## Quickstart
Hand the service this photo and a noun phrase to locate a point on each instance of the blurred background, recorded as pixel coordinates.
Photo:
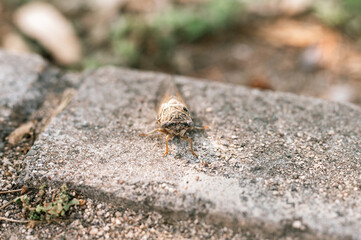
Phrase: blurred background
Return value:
(307, 47)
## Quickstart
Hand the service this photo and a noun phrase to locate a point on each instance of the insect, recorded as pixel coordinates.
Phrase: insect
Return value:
(174, 117)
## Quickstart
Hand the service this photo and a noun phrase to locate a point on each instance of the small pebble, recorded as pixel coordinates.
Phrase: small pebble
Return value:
(93, 231)
(297, 224)
(31, 152)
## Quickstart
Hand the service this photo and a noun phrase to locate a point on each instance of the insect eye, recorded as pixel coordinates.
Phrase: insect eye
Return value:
(166, 124)
(188, 124)
(185, 109)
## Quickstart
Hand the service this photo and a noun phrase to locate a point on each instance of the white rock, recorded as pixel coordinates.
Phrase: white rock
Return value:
(93, 231)
(44, 23)
(297, 224)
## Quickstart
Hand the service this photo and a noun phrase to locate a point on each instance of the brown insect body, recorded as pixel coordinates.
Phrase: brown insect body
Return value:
(173, 116)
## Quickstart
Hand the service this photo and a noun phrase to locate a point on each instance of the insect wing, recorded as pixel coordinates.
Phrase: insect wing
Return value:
(168, 90)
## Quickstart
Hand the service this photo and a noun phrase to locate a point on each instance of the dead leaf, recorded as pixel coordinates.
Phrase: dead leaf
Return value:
(323, 46)
(16, 136)
(65, 100)
(24, 189)
(82, 202)
(260, 82)
(14, 42)
(297, 34)
(213, 73)
(47, 25)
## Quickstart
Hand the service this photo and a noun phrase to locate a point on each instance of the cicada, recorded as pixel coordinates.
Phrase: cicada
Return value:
(173, 116)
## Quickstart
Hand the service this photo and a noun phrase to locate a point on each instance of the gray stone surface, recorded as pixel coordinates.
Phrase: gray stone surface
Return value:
(18, 73)
(26, 82)
(278, 164)
(19, 93)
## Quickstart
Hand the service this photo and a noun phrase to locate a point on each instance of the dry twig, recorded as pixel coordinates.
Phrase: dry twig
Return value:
(11, 191)
(13, 220)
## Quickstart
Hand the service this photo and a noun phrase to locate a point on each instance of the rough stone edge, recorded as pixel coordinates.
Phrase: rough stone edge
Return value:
(263, 229)
(89, 72)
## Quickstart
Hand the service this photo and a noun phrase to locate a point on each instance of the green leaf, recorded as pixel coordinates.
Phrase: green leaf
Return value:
(39, 209)
(74, 201)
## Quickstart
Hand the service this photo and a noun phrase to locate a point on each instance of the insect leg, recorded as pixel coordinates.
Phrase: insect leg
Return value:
(153, 131)
(167, 138)
(191, 143)
(202, 128)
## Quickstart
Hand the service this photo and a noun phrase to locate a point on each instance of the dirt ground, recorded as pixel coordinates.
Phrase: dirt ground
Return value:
(307, 58)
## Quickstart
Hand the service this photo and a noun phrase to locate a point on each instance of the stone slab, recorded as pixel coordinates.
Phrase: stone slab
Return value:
(19, 93)
(279, 165)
